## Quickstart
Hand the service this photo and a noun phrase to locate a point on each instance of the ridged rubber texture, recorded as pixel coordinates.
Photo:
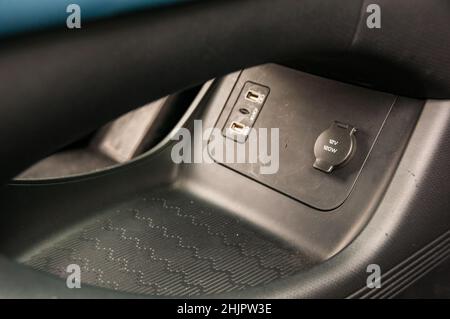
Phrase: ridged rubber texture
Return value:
(410, 270)
(170, 246)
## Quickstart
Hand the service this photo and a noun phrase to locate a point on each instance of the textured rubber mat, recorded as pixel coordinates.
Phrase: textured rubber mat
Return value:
(171, 246)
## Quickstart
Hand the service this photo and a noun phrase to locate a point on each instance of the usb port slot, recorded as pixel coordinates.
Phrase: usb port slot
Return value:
(239, 128)
(255, 96)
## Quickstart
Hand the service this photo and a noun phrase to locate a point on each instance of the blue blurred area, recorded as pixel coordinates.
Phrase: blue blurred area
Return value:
(17, 16)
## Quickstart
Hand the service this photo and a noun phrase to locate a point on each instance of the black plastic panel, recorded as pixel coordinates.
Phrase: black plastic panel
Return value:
(167, 243)
(55, 210)
(302, 106)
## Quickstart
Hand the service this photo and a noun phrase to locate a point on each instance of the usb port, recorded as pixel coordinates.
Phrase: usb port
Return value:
(255, 97)
(239, 128)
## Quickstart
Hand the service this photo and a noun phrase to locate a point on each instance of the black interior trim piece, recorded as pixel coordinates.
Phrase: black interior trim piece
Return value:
(410, 270)
(112, 66)
(107, 67)
(408, 219)
(166, 243)
(294, 224)
(312, 104)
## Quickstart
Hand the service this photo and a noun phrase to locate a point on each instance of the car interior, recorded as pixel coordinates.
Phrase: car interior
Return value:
(353, 97)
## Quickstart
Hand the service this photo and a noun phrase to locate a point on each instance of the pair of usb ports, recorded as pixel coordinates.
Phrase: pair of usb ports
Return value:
(245, 111)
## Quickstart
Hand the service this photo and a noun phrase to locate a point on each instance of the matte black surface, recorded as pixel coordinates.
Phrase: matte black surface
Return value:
(432, 286)
(335, 147)
(105, 70)
(410, 227)
(302, 106)
(404, 56)
(66, 163)
(267, 212)
(413, 268)
(56, 86)
(167, 243)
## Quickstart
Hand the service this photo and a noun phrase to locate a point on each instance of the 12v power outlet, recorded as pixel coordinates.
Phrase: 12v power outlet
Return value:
(334, 147)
